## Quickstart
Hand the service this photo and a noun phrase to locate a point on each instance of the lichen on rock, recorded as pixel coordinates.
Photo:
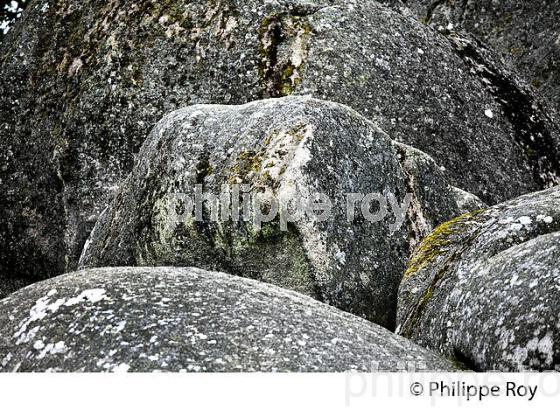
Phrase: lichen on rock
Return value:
(84, 82)
(293, 149)
(483, 289)
(196, 321)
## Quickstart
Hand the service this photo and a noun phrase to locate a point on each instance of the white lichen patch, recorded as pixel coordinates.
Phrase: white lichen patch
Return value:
(38, 312)
(298, 53)
(340, 256)
(43, 308)
(547, 219)
(120, 327)
(545, 346)
(121, 368)
(75, 67)
(39, 345)
(90, 295)
(6, 359)
(525, 220)
(53, 348)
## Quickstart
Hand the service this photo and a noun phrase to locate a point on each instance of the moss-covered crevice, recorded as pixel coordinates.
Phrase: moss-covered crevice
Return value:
(437, 242)
(458, 232)
(284, 40)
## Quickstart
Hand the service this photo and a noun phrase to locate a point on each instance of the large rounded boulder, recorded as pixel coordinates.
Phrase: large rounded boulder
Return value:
(485, 287)
(83, 82)
(172, 319)
(524, 33)
(317, 199)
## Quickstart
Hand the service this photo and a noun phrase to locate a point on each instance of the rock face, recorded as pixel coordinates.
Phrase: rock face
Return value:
(283, 150)
(172, 319)
(10, 11)
(525, 33)
(83, 82)
(485, 288)
(433, 199)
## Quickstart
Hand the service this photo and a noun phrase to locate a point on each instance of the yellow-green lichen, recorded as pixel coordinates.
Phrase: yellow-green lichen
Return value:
(536, 83)
(283, 41)
(267, 254)
(298, 131)
(256, 163)
(517, 51)
(285, 86)
(437, 243)
(426, 20)
(246, 163)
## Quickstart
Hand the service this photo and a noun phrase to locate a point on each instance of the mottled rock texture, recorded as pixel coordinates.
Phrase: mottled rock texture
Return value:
(10, 11)
(173, 319)
(485, 287)
(290, 148)
(433, 198)
(83, 82)
(525, 33)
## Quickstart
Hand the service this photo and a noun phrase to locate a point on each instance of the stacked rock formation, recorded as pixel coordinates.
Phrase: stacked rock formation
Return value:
(113, 114)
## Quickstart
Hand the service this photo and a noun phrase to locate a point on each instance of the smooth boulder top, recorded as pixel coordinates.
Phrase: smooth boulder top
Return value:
(291, 148)
(83, 82)
(173, 319)
(485, 287)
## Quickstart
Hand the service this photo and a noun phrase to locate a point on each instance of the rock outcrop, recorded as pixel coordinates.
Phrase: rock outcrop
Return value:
(433, 199)
(172, 319)
(293, 154)
(83, 82)
(524, 32)
(485, 287)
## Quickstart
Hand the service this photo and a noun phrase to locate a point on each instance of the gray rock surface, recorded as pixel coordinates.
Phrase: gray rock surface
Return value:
(434, 200)
(525, 33)
(83, 82)
(289, 148)
(173, 319)
(485, 287)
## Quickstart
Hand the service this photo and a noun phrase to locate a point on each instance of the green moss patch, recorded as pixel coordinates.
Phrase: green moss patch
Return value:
(437, 243)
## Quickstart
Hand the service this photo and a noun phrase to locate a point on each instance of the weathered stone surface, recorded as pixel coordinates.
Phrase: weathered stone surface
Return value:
(290, 148)
(485, 288)
(434, 200)
(526, 33)
(10, 11)
(173, 319)
(450, 99)
(83, 82)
